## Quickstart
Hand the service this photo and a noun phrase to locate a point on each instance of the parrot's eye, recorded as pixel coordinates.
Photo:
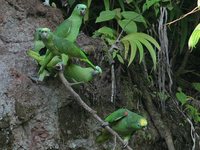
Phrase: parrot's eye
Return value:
(82, 8)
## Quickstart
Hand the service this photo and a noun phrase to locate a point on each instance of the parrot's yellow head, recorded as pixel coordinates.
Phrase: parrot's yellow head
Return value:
(44, 33)
(80, 9)
(143, 122)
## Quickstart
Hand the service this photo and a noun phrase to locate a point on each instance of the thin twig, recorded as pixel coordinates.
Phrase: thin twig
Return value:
(113, 88)
(87, 108)
(192, 131)
(115, 143)
(189, 13)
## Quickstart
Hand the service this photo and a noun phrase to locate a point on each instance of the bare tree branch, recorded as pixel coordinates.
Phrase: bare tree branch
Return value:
(113, 90)
(88, 109)
(189, 13)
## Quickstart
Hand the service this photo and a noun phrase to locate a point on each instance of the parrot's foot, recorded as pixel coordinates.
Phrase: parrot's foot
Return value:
(98, 69)
(125, 144)
(35, 79)
(105, 124)
(59, 67)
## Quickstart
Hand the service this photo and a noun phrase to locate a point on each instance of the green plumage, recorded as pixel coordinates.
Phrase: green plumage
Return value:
(124, 122)
(68, 29)
(58, 46)
(72, 71)
(79, 74)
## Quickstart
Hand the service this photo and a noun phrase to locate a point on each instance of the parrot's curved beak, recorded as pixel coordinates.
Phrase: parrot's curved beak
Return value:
(83, 12)
(44, 35)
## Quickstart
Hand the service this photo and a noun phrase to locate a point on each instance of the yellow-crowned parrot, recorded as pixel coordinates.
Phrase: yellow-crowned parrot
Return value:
(124, 122)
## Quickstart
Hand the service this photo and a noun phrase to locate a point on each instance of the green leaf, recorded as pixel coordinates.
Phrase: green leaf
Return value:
(107, 31)
(105, 16)
(196, 86)
(133, 52)
(194, 38)
(126, 48)
(150, 49)
(118, 15)
(106, 4)
(149, 38)
(119, 57)
(193, 112)
(128, 25)
(141, 50)
(114, 54)
(121, 3)
(138, 40)
(110, 41)
(181, 97)
(133, 16)
(148, 4)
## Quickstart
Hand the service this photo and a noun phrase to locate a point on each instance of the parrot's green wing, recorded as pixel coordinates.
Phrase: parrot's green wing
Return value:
(78, 73)
(64, 29)
(113, 119)
(124, 122)
(117, 115)
(72, 50)
(69, 29)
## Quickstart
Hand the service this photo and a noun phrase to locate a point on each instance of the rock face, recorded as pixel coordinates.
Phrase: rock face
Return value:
(33, 116)
(44, 116)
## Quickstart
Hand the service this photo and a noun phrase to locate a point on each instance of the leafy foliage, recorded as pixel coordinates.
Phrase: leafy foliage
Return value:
(194, 38)
(133, 40)
(191, 110)
(136, 41)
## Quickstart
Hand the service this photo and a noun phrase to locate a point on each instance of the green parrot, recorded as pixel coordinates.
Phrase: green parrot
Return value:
(124, 122)
(80, 74)
(50, 66)
(72, 71)
(68, 29)
(61, 47)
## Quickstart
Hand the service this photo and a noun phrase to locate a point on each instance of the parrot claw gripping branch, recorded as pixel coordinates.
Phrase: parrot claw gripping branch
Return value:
(61, 48)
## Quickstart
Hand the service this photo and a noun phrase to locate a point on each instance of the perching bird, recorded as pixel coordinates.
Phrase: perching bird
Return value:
(80, 74)
(49, 70)
(124, 122)
(59, 47)
(68, 29)
(73, 72)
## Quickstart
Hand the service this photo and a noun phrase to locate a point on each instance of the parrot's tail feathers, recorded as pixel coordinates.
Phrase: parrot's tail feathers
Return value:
(89, 62)
(44, 74)
(34, 55)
